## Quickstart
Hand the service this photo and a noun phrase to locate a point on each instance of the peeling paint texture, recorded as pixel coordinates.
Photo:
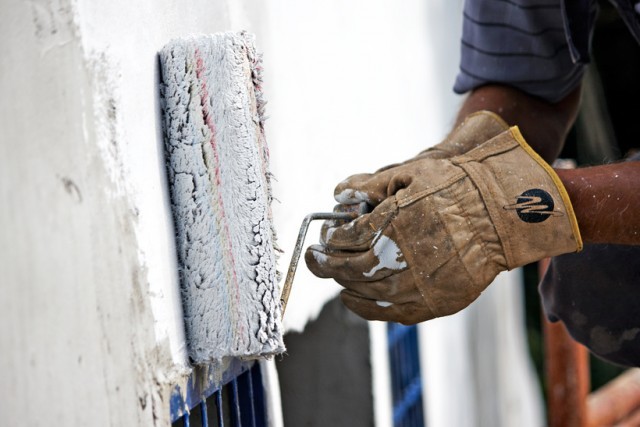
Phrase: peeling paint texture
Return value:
(217, 162)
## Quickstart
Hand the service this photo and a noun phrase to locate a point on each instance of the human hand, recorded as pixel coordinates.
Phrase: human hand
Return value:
(445, 229)
(373, 188)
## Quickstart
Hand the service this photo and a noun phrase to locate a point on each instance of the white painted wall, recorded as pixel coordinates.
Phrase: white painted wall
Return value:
(92, 329)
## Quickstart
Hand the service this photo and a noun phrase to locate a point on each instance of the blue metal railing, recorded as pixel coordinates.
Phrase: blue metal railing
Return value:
(406, 382)
(236, 401)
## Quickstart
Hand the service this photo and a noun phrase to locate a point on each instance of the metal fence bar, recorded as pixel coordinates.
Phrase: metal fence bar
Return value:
(239, 400)
(412, 396)
(203, 413)
(219, 408)
(235, 404)
(248, 405)
(395, 333)
(258, 395)
(406, 381)
(252, 400)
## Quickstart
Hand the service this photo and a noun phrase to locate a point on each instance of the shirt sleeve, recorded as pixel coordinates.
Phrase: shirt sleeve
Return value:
(520, 43)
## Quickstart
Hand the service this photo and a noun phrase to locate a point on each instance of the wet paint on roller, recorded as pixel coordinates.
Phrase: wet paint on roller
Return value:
(217, 163)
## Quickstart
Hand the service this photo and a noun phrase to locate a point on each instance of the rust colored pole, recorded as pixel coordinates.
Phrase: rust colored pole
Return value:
(567, 374)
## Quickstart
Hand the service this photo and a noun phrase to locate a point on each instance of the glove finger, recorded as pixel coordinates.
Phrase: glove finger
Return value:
(361, 233)
(329, 226)
(382, 260)
(407, 314)
(364, 187)
(397, 288)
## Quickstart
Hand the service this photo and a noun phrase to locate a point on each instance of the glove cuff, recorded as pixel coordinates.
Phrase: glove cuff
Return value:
(476, 129)
(528, 204)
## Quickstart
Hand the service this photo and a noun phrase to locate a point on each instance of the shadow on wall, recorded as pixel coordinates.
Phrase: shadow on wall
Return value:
(325, 378)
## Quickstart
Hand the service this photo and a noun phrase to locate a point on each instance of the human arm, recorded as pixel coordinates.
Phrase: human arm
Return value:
(606, 201)
(605, 198)
(543, 124)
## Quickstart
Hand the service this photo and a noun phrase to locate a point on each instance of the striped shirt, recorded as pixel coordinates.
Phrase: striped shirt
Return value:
(523, 44)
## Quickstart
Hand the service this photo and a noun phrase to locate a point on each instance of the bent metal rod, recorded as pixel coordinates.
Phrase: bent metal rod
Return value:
(350, 213)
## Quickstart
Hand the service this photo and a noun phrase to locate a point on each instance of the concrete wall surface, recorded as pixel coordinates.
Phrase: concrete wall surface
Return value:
(92, 330)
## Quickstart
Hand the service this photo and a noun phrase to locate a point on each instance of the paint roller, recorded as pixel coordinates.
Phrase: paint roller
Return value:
(217, 163)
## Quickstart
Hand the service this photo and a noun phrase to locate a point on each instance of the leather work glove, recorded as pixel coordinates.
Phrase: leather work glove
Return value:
(445, 229)
(372, 187)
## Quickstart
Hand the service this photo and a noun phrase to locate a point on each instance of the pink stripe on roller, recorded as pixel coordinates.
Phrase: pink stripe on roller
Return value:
(208, 119)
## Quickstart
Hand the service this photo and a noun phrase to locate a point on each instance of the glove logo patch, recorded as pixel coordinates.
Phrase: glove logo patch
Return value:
(534, 205)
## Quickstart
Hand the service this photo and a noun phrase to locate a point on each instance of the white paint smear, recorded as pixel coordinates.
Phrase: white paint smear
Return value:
(319, 256)
(350, 196)
(388, 254)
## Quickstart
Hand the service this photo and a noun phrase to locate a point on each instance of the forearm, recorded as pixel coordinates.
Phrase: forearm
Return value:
(606, 201)
(605, 198)
(544, 125)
